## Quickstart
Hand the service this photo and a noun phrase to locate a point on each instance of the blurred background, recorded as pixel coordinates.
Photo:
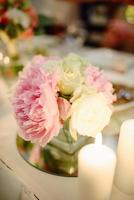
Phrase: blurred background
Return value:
(78, 23)
(56, 27)
(98, 23)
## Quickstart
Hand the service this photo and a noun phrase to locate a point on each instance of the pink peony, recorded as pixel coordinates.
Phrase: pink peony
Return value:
(35, 103)
(95, 78)
(64, 107)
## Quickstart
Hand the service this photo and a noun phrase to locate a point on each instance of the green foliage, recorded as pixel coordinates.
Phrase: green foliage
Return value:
(12, 30)
(17, 68)
(44, 22)
(25, 4)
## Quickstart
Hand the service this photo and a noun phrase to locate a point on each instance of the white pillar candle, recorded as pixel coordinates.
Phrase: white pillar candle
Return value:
(96, 170)
(124, 174)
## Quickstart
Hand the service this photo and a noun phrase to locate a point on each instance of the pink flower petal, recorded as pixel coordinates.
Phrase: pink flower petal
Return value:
(35, 103)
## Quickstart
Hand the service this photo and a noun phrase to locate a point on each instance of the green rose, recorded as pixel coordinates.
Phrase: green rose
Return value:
(71, 73)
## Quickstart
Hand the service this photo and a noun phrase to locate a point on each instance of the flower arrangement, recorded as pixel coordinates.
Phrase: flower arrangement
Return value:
(51, 91)
(17, 18)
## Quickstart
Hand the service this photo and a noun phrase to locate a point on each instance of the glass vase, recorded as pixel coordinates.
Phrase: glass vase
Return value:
(58, 157)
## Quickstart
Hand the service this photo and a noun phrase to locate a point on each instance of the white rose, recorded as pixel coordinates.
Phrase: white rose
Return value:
(89, 115)
(19, 17)
(71, 73)
(82, 89)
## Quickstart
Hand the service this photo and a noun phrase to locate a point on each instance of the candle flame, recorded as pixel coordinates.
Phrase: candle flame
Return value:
(98, 139)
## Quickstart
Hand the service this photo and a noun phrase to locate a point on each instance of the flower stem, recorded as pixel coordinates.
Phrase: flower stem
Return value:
(68, 137)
